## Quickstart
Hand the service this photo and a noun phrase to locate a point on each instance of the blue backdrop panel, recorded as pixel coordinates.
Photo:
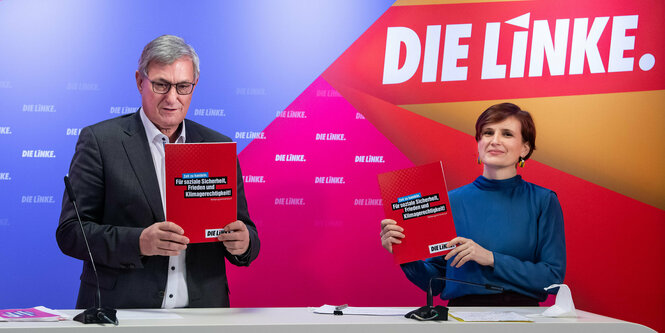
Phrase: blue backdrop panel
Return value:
(68, 64)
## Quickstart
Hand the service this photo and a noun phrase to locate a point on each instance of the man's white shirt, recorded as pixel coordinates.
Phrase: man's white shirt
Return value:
(175, 295)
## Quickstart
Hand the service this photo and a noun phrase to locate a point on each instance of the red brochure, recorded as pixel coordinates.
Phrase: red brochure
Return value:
(201, 188)
(417, 198)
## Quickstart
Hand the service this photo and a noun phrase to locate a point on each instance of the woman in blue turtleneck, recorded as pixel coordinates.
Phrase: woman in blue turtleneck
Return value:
(510, 232)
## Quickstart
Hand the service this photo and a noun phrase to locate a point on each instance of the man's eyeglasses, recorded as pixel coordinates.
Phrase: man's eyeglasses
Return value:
(182, 88)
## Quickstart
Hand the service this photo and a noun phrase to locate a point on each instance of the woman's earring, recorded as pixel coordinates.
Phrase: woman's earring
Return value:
(521, 162)
(478, 160)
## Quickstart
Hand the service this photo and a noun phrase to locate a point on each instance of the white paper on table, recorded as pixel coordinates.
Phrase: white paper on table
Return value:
(365, 311)
(489, 316)
(141, 314)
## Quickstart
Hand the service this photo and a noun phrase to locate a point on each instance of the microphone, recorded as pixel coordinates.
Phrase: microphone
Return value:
(94, 315)
(439, 312)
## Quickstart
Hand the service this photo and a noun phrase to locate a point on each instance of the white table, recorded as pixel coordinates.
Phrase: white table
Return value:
(277, 320)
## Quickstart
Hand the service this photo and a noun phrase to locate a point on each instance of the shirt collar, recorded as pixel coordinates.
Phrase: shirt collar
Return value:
(497, 184)
(153, 133)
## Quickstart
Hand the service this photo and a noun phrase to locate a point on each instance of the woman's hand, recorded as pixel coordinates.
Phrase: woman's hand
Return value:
(468, 250)
(391, 234)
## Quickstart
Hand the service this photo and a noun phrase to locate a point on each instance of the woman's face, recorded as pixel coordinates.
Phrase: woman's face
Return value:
(501, 145)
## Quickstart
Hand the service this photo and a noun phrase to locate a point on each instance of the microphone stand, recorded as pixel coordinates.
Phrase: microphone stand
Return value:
(94, 315)
(440, 312)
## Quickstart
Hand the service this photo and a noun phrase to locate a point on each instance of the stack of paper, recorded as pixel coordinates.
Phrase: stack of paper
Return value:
(365, 311)
(38, 313)
(489, 316)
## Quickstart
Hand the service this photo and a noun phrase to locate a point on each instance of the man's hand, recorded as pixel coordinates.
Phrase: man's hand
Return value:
(236, 240)
(163, 239)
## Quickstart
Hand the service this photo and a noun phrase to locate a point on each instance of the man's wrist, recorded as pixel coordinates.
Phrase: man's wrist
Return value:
(243, 258)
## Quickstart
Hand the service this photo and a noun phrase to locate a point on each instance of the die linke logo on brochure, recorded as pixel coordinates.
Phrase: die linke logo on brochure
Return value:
(430, 53)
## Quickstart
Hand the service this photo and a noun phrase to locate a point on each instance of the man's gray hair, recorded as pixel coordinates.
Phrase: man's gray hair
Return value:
(165, 50)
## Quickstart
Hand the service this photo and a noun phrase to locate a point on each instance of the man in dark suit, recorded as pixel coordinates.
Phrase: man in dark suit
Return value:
(117, 174)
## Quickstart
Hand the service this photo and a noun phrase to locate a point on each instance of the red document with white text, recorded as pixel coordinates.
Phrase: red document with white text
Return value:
(201, 188)
(417, 198)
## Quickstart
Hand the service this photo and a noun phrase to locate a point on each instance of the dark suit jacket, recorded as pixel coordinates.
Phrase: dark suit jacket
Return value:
(117, 195)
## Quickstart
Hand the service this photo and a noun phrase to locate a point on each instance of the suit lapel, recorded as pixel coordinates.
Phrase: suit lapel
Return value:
(138, 153)
(191, 134)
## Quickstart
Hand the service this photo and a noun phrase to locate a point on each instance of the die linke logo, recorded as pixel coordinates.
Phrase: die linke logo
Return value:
(213, 233)
(327, 93)
(38, 153)
(123, 109)
(289, 201)
(555, 48)
(73, 131)
(330, 137)
(82, 86)
(210, 112)
(251, 135)
(254, 179)
(290, 158)
(38, 108)
(5, 130)
(369, 159)
(291, 114)
(367, 202)
(329, 180)
(36, 199)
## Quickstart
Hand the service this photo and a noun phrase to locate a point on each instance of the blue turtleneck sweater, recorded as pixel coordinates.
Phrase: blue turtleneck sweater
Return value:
(521, 223)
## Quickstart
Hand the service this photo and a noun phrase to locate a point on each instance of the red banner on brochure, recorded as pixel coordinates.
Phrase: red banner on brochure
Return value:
(417, 198)
(201, 188)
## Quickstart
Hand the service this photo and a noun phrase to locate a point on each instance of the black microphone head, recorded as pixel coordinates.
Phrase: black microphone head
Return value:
(70, 190)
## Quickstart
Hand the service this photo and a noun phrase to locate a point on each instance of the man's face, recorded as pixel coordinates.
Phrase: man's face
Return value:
(168, 110)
